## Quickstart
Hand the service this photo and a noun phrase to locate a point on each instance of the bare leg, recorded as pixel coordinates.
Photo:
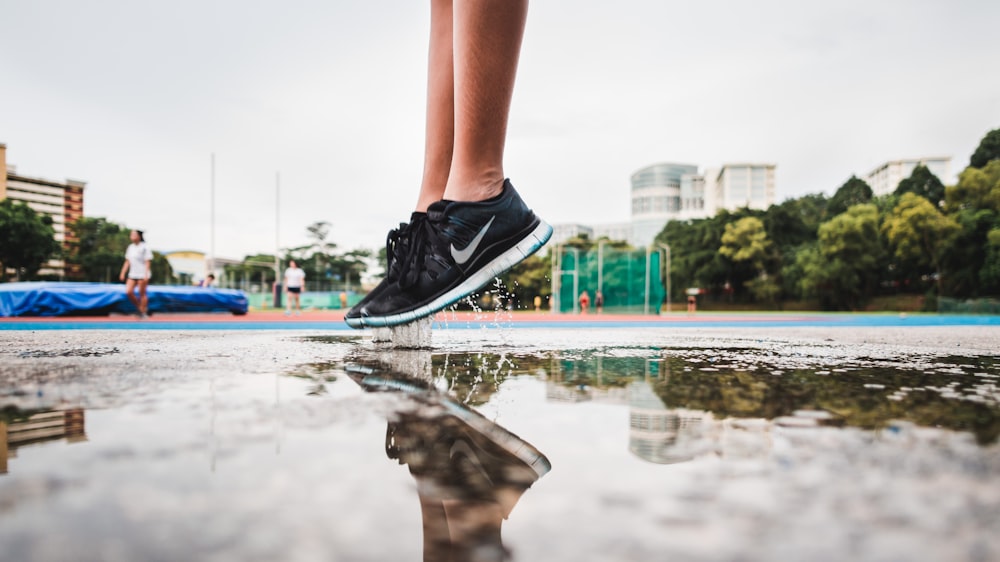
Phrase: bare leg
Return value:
(143, 299)
(487, 43)
(439, 140)
(130, 293)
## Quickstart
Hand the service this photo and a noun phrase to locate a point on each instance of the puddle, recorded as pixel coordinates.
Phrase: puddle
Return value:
(570, 445)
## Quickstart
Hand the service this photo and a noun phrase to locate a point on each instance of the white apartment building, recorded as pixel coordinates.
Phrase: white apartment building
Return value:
(667, 191)
(62, 201)
(885, 179)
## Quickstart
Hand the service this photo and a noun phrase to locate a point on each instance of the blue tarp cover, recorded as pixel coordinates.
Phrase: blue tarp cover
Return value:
(87, 299)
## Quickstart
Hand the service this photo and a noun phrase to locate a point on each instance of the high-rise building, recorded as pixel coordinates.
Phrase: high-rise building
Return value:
(666, 192)
(885, 179)
(63, 201)
(656, 198)
(744, 185)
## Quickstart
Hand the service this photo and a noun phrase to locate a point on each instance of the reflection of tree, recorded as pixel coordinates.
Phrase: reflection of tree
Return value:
(754, 392)
(732, 393)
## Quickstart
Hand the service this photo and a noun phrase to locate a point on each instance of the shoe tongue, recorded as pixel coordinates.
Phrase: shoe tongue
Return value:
(437, 209)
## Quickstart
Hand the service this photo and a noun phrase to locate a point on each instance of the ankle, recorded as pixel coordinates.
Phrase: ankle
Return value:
(475, 189)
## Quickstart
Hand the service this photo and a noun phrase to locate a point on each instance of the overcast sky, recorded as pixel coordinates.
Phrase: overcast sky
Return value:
(134, 97)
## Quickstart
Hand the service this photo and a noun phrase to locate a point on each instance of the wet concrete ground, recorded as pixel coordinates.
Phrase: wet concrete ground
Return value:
(529, 444)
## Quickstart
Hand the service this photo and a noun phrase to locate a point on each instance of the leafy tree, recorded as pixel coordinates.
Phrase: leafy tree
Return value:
(842, 269)
(854, 192)
(976, 189)
(695, 259)
(349, 266)
(989, 274)
(99, 249)
(987, 151)
(27, 240)
(746, 241)
(163, 272)
(795, 221)
(529, 279)
(919, 231)
(923, 183)
(967, 254)
(257, 268)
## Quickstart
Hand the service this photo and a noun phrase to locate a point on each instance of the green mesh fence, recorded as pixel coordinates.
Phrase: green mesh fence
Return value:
(631, 281)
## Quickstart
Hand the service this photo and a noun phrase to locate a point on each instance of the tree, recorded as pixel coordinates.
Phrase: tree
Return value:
(349, 266)
(842, 269)
(162, 272)
(976, 189)
(99, 249)
(923, 183)
(989, 274)
(919, 231)
(27, 240)
(987, 151)
(974, 203)
(746, 241)
(854, 192)
(258, 268)
(529, 279)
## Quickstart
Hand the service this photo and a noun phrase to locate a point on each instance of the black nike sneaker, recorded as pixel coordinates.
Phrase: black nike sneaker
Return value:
(461, 247)
(397, 247)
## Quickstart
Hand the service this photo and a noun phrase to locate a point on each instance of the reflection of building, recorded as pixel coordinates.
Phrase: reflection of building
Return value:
(42, 426)
(885, 179)
(665, 436)
(62, 201)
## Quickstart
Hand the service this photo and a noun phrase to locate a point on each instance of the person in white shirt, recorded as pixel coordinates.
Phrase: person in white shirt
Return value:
(295, 280)
(138, 260)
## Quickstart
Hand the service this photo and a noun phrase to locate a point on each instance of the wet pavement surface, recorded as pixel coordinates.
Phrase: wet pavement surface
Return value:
(522, 444)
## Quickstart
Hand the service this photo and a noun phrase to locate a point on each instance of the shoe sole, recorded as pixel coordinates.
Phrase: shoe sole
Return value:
(500, 265)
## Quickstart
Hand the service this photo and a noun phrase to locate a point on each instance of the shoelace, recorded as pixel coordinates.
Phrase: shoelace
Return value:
(409, 247)
(398, 243)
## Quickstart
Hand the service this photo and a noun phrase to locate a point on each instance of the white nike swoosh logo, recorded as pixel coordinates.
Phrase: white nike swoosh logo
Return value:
(462, 256)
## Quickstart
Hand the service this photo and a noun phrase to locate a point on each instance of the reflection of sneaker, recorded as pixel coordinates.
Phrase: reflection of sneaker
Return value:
(466, 455)
(461, 247)
(397, 247)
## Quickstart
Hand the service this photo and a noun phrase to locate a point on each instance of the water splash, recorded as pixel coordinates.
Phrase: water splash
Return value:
(413, 335)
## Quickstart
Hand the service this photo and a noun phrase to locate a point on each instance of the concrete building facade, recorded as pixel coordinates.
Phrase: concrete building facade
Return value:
(884, 179)
(62, 201)
(667, 191)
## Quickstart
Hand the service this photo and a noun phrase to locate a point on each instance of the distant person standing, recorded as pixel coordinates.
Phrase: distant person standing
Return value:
(599, 301)
(295, 280)
(137, 266)
(584, 302)
(208, 282)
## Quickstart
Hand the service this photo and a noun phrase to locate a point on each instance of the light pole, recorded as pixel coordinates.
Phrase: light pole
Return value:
(645, 307)
(600, 266)
(666, 247)
(556, 278)
(211, 211)
(576, 279)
